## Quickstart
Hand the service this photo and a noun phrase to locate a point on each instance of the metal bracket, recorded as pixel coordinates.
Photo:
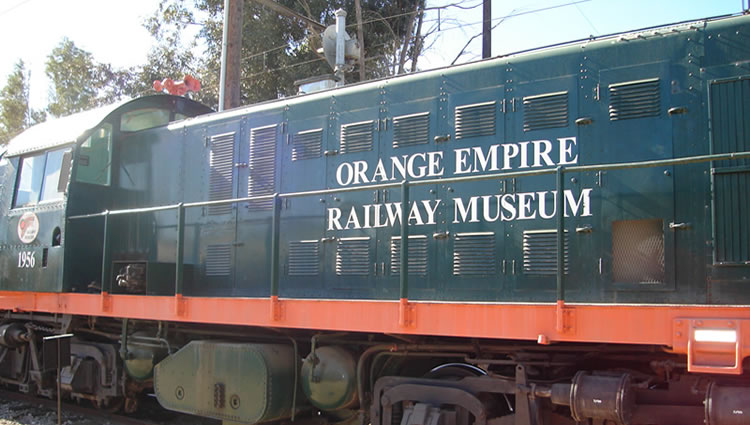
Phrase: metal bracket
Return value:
(712, 345)
(441, 235)
(527, 410)
(677, 110)
(586, 228)
(679, 226)
(584, 121)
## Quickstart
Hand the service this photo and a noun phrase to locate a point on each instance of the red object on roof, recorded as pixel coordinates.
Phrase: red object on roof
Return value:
(179, 88)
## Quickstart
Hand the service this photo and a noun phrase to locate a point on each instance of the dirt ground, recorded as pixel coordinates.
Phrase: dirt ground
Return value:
(14, 412)
(19, 413)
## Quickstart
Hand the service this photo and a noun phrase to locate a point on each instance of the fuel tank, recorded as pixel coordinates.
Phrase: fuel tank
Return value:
(239, 382)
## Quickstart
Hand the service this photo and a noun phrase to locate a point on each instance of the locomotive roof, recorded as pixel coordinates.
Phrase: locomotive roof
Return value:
(66, 130)
(59, 131)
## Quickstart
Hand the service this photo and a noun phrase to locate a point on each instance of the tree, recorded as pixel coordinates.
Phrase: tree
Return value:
(277, 50)
(15, 114)
(171, 57)
(79, 82)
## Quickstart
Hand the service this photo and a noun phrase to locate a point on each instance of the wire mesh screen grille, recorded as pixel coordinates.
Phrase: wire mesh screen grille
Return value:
(638, 251)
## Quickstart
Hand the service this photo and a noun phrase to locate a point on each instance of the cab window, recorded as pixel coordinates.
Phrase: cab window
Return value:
(142, 119)
(95, 157)
(43, 177)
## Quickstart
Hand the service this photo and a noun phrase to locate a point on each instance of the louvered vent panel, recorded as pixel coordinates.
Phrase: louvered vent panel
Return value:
(638, 251)
(221, 165)
(545, 111)
(732, 206)
(474, 254)
(411, 130)
(540, 252)
(417, 255)
(731, 133)
(475, 120)
(634, 99)
(218, 260)
(304, 258)
(356, 137)
(353, 257)
(262, 164)
(307, 144)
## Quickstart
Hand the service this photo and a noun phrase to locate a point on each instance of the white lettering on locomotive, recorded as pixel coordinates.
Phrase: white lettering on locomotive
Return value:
(469, 160)
(519, 206)
(487, 208)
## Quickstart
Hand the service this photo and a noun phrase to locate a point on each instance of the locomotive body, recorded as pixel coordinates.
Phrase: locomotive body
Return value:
(576, 224)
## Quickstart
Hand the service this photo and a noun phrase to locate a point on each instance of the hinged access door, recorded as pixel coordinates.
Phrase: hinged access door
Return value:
(350, 230)
(730, 132)
(260, 151)
(217, 229)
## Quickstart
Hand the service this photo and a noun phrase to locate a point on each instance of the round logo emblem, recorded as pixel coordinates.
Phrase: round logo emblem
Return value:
(28, 227)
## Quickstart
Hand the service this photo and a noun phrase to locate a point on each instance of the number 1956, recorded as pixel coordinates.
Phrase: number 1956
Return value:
(26, 259)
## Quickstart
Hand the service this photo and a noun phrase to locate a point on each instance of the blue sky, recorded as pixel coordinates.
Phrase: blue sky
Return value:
(113, 32)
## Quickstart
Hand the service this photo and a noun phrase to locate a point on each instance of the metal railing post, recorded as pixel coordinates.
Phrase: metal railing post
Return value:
(275, 245)
(180, 260)
(404, 269)
(106, 256)
(560, 207)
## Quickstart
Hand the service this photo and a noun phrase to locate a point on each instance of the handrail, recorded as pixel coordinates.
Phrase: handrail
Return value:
(404, 186)
(462, 179)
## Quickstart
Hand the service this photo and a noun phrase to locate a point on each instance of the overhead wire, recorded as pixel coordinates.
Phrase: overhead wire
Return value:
(385, 19)
(449, 28)
(12, 8)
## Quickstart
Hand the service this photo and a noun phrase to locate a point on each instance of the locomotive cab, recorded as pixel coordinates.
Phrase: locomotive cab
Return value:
(61, 169)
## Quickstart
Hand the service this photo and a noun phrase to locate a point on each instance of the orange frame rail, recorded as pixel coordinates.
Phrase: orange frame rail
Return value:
(671, 326)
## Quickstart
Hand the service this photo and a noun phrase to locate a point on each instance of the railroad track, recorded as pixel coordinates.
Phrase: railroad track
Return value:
(149, 414)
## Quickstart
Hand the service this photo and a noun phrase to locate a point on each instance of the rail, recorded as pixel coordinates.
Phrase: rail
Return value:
(404, 186)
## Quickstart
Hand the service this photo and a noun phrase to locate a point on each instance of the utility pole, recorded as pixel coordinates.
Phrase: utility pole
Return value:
(486, 29)
(231, 48)
(361, 39)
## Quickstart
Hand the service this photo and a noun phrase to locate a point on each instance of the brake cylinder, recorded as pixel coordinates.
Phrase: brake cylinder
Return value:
(597, 397)
(727, 405)
(13, 335)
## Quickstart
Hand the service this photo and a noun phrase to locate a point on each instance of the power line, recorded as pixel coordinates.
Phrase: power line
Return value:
(450, 28)
(12, 8)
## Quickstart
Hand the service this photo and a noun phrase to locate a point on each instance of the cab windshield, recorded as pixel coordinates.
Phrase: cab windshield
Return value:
(43, 177)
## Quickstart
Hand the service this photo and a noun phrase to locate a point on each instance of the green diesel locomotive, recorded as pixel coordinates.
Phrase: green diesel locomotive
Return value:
(557, 236)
